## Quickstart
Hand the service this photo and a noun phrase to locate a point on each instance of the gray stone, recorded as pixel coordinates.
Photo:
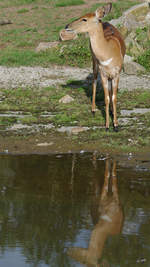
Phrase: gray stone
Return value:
(131, 67)
(130, 23)
(72, 129)
(46, 45)
(38, 77)
(126, 113)
(133, 17)
(147, 19)
(45, 144)
(137, 10)
(66, 99)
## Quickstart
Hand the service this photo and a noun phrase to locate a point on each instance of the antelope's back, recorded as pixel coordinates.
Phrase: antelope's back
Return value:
(115, 34)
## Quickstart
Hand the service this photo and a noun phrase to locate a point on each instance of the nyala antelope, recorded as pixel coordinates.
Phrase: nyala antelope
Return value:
(107, 216)
(108, 50)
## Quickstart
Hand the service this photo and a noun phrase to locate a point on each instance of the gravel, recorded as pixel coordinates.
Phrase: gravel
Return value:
(11, 78)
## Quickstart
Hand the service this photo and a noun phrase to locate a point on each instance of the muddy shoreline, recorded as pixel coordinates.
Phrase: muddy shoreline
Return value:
(44, 145)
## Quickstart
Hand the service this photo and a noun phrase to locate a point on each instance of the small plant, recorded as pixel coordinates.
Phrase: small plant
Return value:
(23, 10)
(28, 1)
(77, 53)
(144, 59)
(63, 3)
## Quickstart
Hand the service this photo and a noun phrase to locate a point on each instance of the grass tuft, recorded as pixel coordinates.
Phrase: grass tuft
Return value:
(144, 59)
(23, 10)
(63, 3)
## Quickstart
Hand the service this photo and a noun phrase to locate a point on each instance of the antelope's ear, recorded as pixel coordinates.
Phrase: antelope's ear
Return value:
(103, 11)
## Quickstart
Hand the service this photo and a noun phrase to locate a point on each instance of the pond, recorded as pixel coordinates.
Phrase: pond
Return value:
(74, 209)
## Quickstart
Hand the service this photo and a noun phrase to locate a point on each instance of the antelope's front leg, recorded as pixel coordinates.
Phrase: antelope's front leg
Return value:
(106, 180)
(107, 99)
(94, 95)
(115, 82)
(94, 84)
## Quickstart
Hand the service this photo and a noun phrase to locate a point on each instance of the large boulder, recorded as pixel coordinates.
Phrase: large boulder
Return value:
(131, 67)
(134, 17)
(134, 26)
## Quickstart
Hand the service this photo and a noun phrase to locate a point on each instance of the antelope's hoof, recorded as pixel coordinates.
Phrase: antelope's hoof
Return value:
(116, 129)
(107, 129)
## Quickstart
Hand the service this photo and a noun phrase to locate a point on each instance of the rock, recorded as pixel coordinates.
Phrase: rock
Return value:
(129, 40)
(62, 49)
(130, 23)
(5, 22)
(66, 99)
(72, 129)
(147, 19)
(128, 59)
(46, 45)
(127, 113)
(124, 31)
(77, 130)
(133, 45)
(133, 17)
(131, 67)
(118, 21)
(45, 144)
(137, 10)
(136, 49)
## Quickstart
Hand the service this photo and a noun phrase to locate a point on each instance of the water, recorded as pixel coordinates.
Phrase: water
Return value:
(54, 209)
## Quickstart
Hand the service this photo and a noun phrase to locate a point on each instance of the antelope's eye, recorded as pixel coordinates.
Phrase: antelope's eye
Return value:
(84, 20)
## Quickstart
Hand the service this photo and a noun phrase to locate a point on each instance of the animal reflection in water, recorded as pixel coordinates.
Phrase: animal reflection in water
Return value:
(109, 220)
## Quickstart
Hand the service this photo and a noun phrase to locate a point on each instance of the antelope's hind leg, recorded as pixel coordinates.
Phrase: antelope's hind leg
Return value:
(107, 98)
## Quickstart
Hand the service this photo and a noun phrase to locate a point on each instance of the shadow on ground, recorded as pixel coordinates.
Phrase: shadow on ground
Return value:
(87, 86)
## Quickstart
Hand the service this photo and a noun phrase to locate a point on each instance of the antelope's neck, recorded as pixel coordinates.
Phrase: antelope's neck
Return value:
(98, 42)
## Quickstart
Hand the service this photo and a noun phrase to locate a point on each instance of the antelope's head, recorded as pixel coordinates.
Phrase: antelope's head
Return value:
(88, 21)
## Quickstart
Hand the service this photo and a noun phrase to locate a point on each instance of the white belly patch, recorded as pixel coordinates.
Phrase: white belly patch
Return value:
(106, 62)
(106, 218)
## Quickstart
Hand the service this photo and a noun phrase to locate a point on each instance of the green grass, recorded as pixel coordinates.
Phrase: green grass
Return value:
(23, 10)
(144, 59)
(136, 99)
(37, 102)
(76, 53)
(117, 8)
(63, 3)
(22, 57)
(41, 21)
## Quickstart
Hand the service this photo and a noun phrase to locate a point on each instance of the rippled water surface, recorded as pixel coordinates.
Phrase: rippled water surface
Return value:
(66, 210)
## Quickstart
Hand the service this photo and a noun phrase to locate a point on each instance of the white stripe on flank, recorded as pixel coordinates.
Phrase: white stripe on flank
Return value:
(106, 62)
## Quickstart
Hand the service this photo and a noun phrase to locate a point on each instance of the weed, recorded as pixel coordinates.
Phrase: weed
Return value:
(29, 120)
(144, 59)
(63, 3)
(77, 53)
(5, 121)
(23, 10)
(136, 98)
